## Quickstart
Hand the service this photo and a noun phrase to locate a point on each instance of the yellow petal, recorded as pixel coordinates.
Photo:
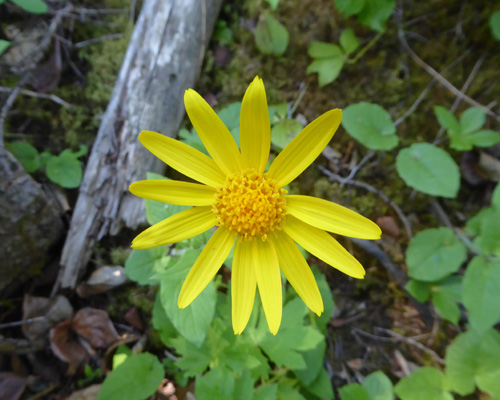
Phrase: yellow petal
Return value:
(297, 271)
(174, 192)
(323, 246)
(178, 227)
(183, 158)
(213, 133)
(206, 266)
(267, 272)
(255, 128)
(331, 217)
(304, 149)
(243, 285)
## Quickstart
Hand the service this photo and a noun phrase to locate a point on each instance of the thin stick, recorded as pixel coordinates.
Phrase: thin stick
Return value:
(52, 97)
(23, 322)
(442, 80)
(395, 207)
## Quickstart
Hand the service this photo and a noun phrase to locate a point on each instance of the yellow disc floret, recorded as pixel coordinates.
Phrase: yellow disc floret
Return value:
(250, 204)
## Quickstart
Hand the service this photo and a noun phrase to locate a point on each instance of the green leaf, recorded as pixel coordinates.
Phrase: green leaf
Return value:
(271, 36)
(473, 225)
(489, 240)
(429, 169)
(425, 383)
(418, 289)
(328, 303)
(223, 33)
(327, 69)
(26, 154)
(324, 51)
(371, 125)
(136, 378)
(268, 392)
(434, 254)
(192, 139)
(349, 7)
(142, 266)
(481, 293)
(65, 170)
(349, 41)
(193, 321)
(314, 364)
(375, 13)
(485, 138)
(472, 120)
(446, 119)
(4, 45)
(218, 383)
(230, 116)
(194, 360)
(472, 359)
(162, 323)
(32, 6)
(156, 211)
(284, 132)
(378, 386)
(122, 353)
(322, 386)
(273, 4)
(495, 24)
(286, 392)
(353, 391)
(445, 297)
(495, 198)
(243, 387)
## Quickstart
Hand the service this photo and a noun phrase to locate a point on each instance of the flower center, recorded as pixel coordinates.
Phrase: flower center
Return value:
(250, 204)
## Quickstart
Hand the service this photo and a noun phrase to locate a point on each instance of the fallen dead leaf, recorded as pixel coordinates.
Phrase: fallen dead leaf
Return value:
(102, 280)
(134, 318)
(89, 393)
(95, 327)
(389, 226)
(66, 347)
(11, 386)
(490, 166)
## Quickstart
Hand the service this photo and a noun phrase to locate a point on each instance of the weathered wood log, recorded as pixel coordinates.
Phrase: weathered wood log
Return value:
(163, 60)
(29, 225)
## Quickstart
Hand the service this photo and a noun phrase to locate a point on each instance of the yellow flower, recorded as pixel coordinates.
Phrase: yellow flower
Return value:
(249, 205)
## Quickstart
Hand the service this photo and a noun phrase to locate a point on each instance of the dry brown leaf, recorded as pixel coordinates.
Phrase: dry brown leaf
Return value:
(89, 393)
(95, 327)
(11, 386)
(48, 312)
(389, 226)
(66, 347)
(490, 166)
(102, 280)
(134, 318)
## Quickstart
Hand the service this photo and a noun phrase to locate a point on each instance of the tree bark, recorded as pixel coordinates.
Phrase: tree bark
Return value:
(162, 61)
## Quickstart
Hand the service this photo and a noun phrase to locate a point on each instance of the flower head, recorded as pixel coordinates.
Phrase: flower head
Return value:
(249, 206)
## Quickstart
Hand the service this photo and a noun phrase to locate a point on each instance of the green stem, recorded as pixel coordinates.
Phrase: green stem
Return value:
(362, 52)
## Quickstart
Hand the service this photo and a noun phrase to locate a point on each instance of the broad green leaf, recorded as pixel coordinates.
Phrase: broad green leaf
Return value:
(230, 115)
(472, 120)
(4, 45)
(446, 119)
(194, 360)
(328, 303)
(271, 36)
(445, 296)
(434, 254)
(193, 321)
(192, 139)
(286, 392)
(349, 7)
(472, 360)
(218, 383)
(314, 364)
(425, 383)
(429, 169)
(378, 386)
(495, 198)
(473, 225)
(418, 289)
(348, 41)
(162, 323)
(489, 239)
(485, 138)
(273, 4)
(481, 293)
(375, 13)
(26, 154)
(353, 391)
(143, 265)
(32, 6)
(323, 51)
(371, 125)
(136, 378)
(65, 170)
(243, 387)
(328, 69)
(156, 211)
(268, 392)
(122, 353)
(284, 132)
(322, 386)
(495, 24)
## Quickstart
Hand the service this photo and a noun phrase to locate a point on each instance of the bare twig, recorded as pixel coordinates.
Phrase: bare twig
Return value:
(23, 322)
(442, 80)
(52, 97)
(335, 177)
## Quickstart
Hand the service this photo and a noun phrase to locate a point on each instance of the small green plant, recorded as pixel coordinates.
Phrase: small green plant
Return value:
(271, 36)
(495, 24)
(372, 13)
(31, 6)
(64, 169)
